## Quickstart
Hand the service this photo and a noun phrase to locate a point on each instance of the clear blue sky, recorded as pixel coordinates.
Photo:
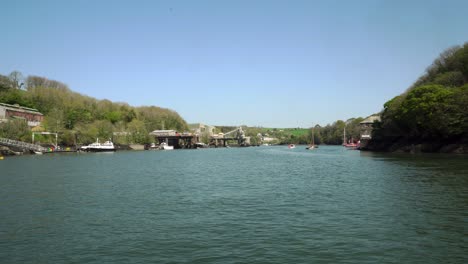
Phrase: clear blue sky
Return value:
(264, 63)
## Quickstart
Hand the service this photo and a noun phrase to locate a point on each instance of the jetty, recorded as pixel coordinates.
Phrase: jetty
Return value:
(21, 145)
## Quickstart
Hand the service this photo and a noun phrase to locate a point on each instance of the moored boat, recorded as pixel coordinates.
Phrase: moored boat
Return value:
(353, 146)
(165, 146)
(312, 144)
(99, 147)
(291, 146)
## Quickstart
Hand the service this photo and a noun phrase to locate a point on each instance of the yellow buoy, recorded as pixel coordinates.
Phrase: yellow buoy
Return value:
(1, 157)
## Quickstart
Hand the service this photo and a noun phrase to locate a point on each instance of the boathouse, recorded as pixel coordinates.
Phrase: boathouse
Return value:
(366, 129)
(32, 116)
(173, 138)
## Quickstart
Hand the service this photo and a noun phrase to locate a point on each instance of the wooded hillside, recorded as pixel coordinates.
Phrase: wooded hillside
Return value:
(79, 117)
(433, 111)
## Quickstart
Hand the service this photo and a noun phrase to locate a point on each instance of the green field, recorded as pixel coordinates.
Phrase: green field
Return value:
(297, 131)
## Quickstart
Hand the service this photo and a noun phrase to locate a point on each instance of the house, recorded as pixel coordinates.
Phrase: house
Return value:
(366, 126)
(32, 116)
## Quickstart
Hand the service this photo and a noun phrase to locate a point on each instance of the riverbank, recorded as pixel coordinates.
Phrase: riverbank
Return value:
(407, 146)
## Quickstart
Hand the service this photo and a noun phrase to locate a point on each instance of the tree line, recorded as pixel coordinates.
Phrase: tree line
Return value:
(330, 134)
(79, 118)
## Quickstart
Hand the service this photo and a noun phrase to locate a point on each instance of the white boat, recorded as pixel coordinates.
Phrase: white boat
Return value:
(291, 146)
(165, 146)
(99, 147)
(153, 146)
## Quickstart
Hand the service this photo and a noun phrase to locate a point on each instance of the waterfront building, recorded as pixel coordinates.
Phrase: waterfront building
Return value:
(366, 126)
(366, 129)
(173, 138)
(32, 116)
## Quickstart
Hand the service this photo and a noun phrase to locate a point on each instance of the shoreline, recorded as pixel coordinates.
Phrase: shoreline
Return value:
(401, 146)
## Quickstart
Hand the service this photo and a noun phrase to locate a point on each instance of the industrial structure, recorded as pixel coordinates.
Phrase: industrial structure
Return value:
(237, 135)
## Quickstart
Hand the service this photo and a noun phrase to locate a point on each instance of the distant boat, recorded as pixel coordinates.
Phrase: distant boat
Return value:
(165, 146)
(349, 145)
(353, 146)
(153, 146)
(99, 147)
(201, 145)
(312, 144)
(291, 146)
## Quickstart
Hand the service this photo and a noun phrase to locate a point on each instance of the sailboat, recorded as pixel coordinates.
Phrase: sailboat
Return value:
(312, 145)
(350, 144)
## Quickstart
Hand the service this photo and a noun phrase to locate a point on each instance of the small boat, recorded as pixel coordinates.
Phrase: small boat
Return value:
(353, 146)
(99, 147)
(153, 146)
(201, 145)
(312, 144)
(350, 145)
(165, 146)
(291, 146)
(38, 152)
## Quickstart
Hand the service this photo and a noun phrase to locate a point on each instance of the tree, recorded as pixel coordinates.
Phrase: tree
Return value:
(138, 132)
(16, 129)
(54, 121)
(5, 83)
(16, 78)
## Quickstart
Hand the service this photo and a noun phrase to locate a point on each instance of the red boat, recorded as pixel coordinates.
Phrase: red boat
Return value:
(352, 145)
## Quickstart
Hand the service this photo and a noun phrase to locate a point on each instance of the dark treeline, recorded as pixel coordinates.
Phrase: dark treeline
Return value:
(433, 112)
(78, 117)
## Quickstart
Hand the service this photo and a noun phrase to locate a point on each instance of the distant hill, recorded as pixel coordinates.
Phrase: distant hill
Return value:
(432, 115)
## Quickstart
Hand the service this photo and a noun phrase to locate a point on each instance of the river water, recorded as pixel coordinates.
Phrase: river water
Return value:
(234, 205)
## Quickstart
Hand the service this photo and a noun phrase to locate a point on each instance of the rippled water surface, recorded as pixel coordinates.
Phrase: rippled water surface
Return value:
(236, 205)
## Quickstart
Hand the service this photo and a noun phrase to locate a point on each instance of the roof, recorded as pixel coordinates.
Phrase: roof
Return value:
(370, 119)
(163, 133)
(21, 108)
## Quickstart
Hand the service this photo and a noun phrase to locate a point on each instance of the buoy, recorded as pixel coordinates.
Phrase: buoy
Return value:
(1, 157)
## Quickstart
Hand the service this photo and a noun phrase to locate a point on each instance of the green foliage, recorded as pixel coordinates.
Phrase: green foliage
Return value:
(5, 83)
(450, 79)
(330, 134)
(434, 109)
(73, 114)
(138, 132)
(15, 96)
(15, 129)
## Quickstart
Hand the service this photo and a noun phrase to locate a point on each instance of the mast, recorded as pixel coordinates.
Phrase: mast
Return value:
(344, 135)
(313, 143)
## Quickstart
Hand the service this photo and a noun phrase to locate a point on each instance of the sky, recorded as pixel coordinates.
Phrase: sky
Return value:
(256, 63)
